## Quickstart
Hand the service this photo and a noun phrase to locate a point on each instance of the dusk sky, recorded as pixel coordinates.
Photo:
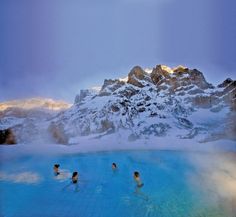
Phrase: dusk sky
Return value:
(54, 48)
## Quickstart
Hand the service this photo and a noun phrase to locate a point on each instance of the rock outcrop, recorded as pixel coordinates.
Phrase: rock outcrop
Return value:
(109, 86)
(7, 137)
(137, 75)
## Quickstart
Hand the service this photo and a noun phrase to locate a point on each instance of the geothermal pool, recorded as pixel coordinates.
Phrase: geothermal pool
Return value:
(175, 185)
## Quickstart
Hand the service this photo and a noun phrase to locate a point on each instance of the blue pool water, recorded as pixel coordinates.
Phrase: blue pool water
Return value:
(28, 187)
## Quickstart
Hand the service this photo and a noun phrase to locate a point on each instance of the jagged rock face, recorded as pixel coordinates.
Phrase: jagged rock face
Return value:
(197, 78)
(160, 73)
(136, 75)
(180, 69)
(228, 93)
(225, 83)
(110, 86)
(178, 77)
(83, 93)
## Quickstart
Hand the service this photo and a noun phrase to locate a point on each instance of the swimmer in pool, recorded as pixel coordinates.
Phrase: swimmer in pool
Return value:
(114, 166)
(74, 181)
(137, 179)
(56, 169)
(75, 177)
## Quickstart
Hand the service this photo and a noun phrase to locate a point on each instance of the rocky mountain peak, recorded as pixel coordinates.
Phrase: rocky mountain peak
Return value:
(180, 69)
(137, 75)
(156, 94)
(159, 73)
(225, 83)
(161, 76)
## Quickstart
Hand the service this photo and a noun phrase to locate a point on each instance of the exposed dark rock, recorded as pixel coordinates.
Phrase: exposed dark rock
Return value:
(225, 83)
(142, 109)
(196, 77)
(128, 92)
(115, 108)
(153, 114)
(140, 104)
(7, 137)
(136, 75)
(82, 95)
(185, 123)
(147, 98)
(159, 73)
(112, 85)
(231, 86)
(180, 69)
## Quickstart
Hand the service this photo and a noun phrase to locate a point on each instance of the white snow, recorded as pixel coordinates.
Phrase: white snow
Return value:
(125, 79)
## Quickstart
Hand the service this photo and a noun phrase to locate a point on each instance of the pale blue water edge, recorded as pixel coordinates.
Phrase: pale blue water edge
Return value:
(168, 189)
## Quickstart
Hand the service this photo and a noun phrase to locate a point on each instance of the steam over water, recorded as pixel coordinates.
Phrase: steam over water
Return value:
(216, 174)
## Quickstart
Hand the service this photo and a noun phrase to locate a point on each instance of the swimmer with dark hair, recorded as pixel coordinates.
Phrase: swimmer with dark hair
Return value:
(137, 179)
(75, 177)
(114, 166)
(56, 169)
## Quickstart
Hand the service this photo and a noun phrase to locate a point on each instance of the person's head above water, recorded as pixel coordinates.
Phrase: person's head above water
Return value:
(74, 174)
(114, 166)
(136, 174)
(75, 177)
(56, 169)
(56, 165)
(137, 179)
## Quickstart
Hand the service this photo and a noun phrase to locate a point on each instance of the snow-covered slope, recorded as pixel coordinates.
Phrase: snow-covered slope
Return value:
(162, 102)
(28, 118)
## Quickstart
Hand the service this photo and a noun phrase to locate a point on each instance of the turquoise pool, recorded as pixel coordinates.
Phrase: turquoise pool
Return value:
(171, 187)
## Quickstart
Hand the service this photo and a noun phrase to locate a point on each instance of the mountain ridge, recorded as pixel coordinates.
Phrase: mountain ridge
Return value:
(183, 90)
(160, 102)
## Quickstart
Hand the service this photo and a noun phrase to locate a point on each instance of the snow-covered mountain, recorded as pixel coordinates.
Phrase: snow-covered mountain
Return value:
(161, 102)
(28, 118)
